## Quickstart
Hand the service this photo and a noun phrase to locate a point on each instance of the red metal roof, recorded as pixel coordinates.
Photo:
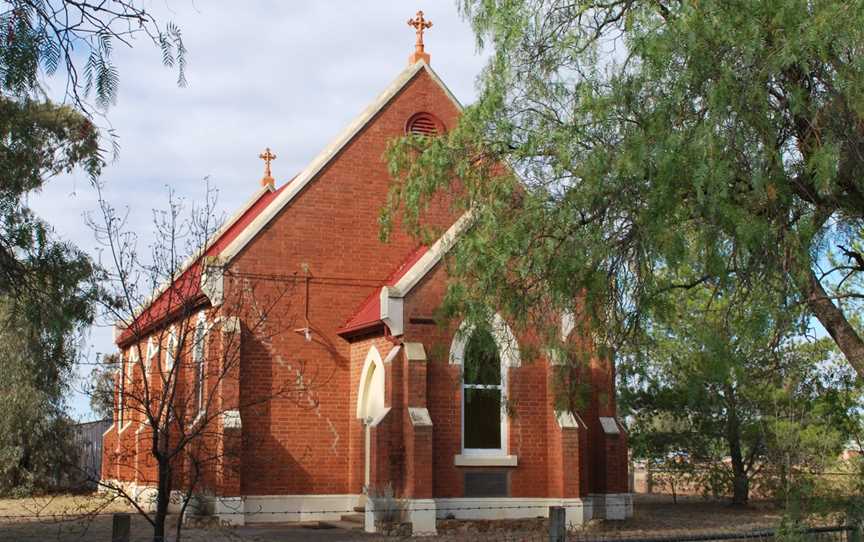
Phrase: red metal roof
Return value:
(187, 287)
(369, 312)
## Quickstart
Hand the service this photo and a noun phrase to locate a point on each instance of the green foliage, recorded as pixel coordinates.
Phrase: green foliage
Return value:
(45, 280)
(101, 386)
(76, 39)
(657, 145)
(725, 383)
(35, 437)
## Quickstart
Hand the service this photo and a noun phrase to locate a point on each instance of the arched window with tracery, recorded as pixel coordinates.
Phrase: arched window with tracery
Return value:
(198, 352)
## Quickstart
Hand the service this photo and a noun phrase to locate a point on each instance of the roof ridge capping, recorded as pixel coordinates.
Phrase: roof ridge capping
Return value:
(329, 152)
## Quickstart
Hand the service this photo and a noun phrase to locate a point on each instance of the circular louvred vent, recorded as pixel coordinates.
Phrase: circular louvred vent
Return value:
(424, 124)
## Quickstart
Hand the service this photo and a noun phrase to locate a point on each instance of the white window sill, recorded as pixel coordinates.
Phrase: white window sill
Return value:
(461, 460)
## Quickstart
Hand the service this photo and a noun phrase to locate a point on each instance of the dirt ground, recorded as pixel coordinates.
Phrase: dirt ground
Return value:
(68, 519)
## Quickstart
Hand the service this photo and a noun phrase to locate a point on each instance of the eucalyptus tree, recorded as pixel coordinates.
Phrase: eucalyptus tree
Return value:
(658, 145)
(725, 383)
(48, 287)
(39, 139)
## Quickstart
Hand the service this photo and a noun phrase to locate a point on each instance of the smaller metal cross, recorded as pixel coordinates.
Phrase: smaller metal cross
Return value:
(268, 157)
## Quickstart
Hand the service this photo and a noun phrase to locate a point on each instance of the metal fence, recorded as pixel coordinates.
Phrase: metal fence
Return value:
(96, 524)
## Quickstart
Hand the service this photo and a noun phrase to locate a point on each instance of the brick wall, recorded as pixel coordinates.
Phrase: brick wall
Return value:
(300, 432)
(303, 443)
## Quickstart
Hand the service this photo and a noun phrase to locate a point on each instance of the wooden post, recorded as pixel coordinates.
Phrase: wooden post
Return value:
(120, 528)
(557, 524)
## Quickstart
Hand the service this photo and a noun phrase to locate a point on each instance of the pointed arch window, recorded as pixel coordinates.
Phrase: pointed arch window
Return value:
(127, 373)
(484, 426)
(172, 349)
(152, 353)
(486, 355)
(198, 351)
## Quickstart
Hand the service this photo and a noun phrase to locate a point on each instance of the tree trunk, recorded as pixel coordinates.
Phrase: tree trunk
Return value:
(740, 481)
(834, 321)
(162, 498)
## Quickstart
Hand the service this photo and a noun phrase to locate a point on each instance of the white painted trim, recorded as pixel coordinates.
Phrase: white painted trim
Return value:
(329, 153)
(577, 510)
(230, 324)
(391, 304)
(231, 420)
(610, 425)
(568, 324)
(508, 346)
(124, 427)
(421, 514)
(372, 363)
(380, 417)
(462, 460)
(199, 358)
(613, 506)
(294, 508)
(569, 420)
(141, 427)
(415, 351)
(122, 407)
(170, 349)
(392, 354)
(152, 351)
(392, 311)
(213, 280)
(110, 428)
(230, 510)
(431, 258)
(419, 417)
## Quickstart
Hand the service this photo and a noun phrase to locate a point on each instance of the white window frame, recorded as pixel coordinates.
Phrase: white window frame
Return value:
(170, 348)
(199, 358)
(508, 354)
(127, 366)
(502, 387)
(152, 352)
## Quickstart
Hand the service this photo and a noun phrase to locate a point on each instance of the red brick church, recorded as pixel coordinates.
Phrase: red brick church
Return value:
(397, 408)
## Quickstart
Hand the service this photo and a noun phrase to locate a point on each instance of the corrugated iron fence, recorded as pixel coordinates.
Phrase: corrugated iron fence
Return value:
(87, 438)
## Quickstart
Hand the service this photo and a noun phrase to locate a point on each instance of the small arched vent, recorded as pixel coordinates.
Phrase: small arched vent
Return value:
(424, 124)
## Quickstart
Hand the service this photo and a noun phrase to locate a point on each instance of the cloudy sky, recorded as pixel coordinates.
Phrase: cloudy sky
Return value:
(288, 75)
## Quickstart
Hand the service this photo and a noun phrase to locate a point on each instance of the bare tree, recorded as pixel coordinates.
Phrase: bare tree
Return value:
(177, 387)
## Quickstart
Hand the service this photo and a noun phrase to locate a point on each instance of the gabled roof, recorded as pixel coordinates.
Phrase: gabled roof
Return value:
(374, 311)
(238, 232)
(320, 162)
(369, 313)
(172, 297)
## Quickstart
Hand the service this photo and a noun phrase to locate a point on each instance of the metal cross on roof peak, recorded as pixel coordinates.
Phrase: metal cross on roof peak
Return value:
(268, 157)
(420, 24)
